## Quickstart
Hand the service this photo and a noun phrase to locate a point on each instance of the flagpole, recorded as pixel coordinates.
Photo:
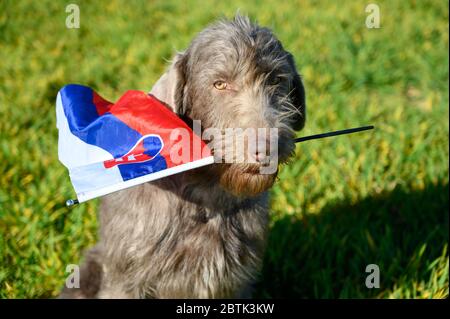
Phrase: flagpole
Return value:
(71, 202)
(334, 133)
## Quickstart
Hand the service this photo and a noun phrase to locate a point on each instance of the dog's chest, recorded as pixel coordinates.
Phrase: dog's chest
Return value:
(216, 250)
(169, 244)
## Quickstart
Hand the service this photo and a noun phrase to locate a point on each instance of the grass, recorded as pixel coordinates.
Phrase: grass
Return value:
(346, 202)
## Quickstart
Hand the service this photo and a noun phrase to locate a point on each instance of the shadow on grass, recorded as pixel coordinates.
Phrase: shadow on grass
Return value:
(325, 255)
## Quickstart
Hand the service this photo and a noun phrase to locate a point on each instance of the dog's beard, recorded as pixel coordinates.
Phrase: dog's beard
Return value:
(241, 180)
(244, 180)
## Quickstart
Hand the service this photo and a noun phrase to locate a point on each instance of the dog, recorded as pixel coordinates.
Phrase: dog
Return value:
(202, 233)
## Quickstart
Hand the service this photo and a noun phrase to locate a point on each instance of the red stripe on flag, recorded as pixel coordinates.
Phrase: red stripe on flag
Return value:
(101, 104)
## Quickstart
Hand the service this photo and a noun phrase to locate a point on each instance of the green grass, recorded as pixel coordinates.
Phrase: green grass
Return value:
(346, 202)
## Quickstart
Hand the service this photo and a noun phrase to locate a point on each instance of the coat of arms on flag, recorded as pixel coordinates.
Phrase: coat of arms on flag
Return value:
(112, 146)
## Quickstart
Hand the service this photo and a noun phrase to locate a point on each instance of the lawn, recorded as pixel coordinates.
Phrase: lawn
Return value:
(380, 197)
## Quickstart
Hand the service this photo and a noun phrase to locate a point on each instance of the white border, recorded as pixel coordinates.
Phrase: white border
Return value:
(85, 196)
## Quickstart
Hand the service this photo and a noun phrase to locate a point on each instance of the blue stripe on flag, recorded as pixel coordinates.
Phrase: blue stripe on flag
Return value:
(130, 171)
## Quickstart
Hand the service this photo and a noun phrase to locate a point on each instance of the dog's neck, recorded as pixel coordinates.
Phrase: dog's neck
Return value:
(203, 190)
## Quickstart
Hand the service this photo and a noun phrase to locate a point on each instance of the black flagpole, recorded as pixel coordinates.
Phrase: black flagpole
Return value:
(341, 132)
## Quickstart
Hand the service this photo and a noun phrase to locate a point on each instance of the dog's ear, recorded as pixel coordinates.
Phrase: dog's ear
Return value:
(179, 66)
(171, 86)
(298, 97)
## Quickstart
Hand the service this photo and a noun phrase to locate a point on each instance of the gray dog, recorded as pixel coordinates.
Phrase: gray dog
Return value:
(201, 234)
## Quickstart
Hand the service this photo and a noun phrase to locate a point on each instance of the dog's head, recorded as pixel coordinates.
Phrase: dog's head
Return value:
(236, 74)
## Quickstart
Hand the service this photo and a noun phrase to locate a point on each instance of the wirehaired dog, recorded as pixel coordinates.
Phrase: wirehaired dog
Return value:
(201, 234)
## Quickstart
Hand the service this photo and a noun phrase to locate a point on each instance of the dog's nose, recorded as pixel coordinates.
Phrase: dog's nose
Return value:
(260, 157)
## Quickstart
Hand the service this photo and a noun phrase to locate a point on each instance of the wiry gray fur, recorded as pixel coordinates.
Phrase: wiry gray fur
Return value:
(201, 234)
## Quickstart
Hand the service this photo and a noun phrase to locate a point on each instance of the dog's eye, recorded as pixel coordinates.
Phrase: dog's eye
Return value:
(276, 80)
(220, 85)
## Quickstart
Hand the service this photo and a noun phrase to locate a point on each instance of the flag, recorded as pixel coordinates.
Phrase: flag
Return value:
(112, 146)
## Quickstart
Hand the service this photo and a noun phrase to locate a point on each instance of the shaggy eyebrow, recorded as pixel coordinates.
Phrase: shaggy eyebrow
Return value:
(222, 74)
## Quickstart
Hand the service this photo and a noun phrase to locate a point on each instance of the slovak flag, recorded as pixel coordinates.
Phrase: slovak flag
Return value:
(112, 146)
